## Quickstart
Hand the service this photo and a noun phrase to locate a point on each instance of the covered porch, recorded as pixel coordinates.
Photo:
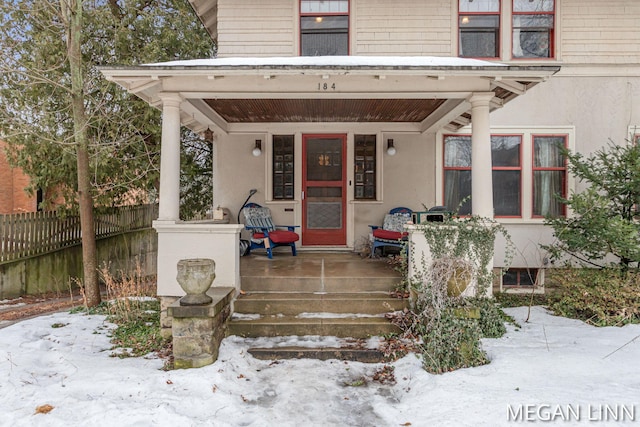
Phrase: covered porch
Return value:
(244, 104)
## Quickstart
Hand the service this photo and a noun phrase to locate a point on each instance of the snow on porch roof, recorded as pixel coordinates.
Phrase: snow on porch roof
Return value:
(333, 61)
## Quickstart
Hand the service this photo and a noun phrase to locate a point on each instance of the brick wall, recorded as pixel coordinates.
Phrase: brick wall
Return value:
(13, 181)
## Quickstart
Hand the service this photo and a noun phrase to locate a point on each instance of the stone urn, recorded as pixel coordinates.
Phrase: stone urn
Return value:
(195, 277)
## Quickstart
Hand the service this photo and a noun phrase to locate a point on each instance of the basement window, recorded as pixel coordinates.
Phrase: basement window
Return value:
(520, 277)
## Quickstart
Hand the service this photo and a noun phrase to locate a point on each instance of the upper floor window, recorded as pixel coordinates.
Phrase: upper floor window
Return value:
(324, 27)
(479, 26)
(533, 24)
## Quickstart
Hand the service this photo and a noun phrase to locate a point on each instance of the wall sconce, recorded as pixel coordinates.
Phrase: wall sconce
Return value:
(257, 150)
(391, 150)
(208, 135)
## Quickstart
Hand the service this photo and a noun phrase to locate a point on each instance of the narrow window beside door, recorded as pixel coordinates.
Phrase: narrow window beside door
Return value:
(283, 171)
(365, 167)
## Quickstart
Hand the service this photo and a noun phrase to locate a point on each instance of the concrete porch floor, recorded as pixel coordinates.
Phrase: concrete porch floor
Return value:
(316, 271)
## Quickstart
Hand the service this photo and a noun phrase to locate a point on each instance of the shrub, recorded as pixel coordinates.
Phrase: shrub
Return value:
(608, 297)
(451, 343)
(492, 319)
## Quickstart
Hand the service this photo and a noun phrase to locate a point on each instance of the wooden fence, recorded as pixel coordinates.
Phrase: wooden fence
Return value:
(34, 233)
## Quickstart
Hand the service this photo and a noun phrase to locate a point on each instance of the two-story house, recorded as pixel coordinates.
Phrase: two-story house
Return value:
(337, 111)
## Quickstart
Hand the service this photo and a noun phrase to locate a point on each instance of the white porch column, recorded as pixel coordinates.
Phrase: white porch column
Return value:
(169, 209)
(481, 170)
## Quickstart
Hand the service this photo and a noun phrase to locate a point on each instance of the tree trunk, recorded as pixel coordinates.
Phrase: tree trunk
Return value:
(72, 11)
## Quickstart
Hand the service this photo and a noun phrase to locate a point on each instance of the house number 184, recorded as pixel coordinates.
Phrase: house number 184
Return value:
(326, 86)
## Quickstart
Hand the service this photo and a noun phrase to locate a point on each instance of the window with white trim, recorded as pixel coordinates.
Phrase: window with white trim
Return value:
(519, 277)
(324, 27)
(529, 172)
(507, 171)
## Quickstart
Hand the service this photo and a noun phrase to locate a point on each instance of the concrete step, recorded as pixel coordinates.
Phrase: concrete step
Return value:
(292, 304)
(273, 326)
(317, 284)
(363, 355)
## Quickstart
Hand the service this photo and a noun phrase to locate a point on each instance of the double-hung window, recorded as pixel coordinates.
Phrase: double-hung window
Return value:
(324, 27)
(529, 174)
(479, 26)
(533, 25)
(549, 175)
(507, 174)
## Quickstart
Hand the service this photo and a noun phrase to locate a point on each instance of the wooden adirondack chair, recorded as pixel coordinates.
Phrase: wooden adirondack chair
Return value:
(264, 233)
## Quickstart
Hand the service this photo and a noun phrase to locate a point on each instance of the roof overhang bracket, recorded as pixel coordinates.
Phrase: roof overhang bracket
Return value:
(446, 113)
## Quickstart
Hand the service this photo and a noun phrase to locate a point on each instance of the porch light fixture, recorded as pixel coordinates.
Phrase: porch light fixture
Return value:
(391, 150)
(208, 135)
(257, 150)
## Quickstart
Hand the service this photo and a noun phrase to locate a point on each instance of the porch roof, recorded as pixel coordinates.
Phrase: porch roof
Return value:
(240, 94)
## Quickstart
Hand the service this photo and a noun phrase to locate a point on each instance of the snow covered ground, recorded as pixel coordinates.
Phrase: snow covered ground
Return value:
(552, 369)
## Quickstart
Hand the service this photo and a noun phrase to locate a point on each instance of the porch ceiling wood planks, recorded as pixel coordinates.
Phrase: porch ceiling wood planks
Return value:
(323, 110)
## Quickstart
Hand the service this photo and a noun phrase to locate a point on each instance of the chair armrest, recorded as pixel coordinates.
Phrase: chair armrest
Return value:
(288, 227)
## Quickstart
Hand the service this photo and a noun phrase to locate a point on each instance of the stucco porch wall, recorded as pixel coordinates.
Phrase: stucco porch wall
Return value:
(421, 259)
(406, 179)
(181, 240)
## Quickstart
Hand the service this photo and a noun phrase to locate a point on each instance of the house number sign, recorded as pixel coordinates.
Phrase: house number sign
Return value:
(326, 86)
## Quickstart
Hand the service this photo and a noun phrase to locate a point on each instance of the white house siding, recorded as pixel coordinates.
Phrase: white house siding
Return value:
(405, 27)
(250, 28)
(600, 32)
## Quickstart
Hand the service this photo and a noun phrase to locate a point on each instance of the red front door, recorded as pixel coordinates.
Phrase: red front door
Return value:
(324, 190)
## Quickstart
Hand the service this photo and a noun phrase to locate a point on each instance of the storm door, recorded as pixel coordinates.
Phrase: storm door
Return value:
(324, 190)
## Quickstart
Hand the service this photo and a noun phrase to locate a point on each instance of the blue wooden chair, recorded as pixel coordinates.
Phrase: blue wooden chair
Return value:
(392, 231)
(264, 233)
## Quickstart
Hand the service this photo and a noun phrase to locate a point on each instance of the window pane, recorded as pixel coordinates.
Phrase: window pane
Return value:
(324, 24)
(330, 36)
(532, 36)
(479, 5)
(546, 186)
(528, 276)
(457, 187)
(510, 277)
(365, 166)
(324, 160)
(506, 193)
(505, 150)
(479, 36)
(324, 6)
(457, 151)
(547, 151)
(533, 5)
